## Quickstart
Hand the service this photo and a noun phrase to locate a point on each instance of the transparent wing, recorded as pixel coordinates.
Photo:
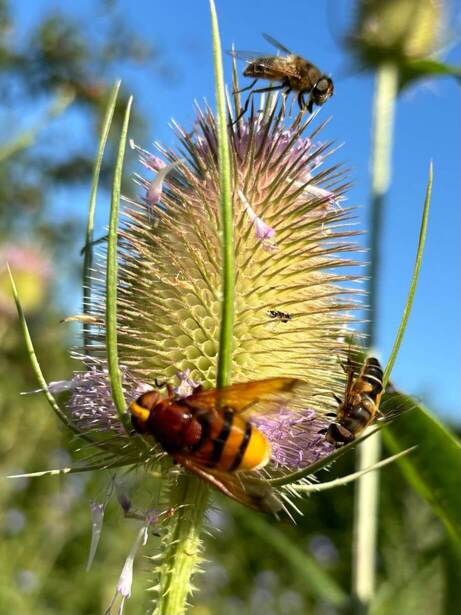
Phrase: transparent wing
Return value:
(269, 67)
(270, 39)
(394, 404)
(247, 56)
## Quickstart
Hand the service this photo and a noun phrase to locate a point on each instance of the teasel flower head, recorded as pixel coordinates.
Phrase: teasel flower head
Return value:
(293, 244)
(396, 31)
(156, 299)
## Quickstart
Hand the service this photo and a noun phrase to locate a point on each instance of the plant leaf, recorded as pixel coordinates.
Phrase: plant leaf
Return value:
(414, 282)
(36, 365)
(320, 582)
(434, 469)
(111, 281)
(88, 248)
(318, 465)
(426, 68)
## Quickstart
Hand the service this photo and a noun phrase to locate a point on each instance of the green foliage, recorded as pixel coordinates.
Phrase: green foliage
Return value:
(256, 565)
(434, 469)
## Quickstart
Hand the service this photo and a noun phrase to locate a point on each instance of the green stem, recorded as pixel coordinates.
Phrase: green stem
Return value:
(224, 368)
(189, 495)
(181, 544)
(366, 499)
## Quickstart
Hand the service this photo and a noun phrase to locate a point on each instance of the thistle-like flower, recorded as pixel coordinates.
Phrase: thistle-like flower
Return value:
(169, 279)
(291, 245)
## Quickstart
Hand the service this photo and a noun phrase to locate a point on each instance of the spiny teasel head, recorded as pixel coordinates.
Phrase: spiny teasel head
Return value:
(292, 236)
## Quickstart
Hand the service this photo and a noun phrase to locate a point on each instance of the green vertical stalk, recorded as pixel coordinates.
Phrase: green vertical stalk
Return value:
(227, 306)
(188, 496)
(181, 545)
(366, 498)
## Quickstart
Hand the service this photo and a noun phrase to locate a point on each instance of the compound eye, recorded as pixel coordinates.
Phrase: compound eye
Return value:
(323, 85)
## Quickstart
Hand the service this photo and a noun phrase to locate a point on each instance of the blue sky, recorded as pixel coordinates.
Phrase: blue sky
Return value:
(427, 128)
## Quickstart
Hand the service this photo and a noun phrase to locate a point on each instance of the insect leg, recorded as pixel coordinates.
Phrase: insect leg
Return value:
(337, 398)
(259, 91)
(301, 101)
(284, 97)
(247, 88)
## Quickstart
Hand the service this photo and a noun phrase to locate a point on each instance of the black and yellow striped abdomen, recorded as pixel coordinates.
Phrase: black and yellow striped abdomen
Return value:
(229, 442)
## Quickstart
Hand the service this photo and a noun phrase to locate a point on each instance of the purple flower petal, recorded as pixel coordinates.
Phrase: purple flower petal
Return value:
(263, 231)
(154, 193)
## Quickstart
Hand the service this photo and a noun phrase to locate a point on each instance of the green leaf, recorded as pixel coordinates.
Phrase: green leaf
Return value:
(426, 68)
(111, 281)
(88, 249)
(434, 469)
(36, 365)
(224, 368)
(303, 565)
(414, 282)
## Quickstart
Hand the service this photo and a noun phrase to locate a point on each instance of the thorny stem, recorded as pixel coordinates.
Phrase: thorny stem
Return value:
(366, 498)
(181, 544)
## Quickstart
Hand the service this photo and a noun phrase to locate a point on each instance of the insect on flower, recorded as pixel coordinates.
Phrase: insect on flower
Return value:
(279, 315)
(360, 407)
(209, 434)
(294, 73)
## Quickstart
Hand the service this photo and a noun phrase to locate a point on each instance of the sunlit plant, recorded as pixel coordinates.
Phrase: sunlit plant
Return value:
(241, 221)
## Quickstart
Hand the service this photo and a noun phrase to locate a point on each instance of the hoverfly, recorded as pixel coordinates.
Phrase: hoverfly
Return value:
(294, 73)
(208, 434)
(360, 407)
(279, 315)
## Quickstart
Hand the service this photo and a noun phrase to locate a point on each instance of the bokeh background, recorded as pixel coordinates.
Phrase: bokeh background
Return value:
(57, 62)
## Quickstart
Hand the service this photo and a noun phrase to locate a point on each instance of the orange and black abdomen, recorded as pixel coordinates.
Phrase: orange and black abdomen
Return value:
(214, 439)
(229, 443)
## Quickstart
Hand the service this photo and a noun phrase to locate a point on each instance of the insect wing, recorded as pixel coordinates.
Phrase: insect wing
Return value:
(257, 496)
(271, 40)
(394, 405)
(270, 67)
(259, 395)
(248, 56)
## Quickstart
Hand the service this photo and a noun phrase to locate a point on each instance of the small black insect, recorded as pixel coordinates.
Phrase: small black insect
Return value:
(281, 316)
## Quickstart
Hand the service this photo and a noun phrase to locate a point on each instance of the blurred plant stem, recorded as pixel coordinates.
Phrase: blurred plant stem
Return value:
(366, 497)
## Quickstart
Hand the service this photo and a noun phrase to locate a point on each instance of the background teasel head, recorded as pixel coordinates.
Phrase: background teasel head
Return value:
(396, 30)
(290, 234)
